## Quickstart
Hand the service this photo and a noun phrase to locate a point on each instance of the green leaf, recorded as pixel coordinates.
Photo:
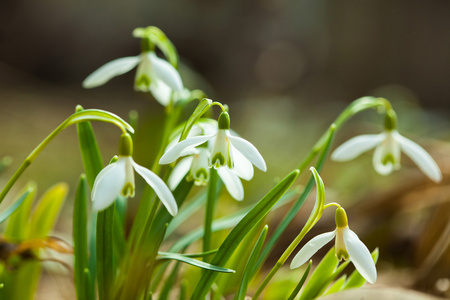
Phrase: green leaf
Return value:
(47, 211)
(192, 255)
(13, 207)
(321, 277)
(83, 282)
(105, 258)
(239, 232)
(301, 282)
(169, 283)
(250, 267)
(337, 285)
(356, 280)
(201, 108)
(194, 262)
(17, 227)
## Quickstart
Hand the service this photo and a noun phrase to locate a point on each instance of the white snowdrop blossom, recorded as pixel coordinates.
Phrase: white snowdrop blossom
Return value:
(196, 166)
(118, 179)
(388, 147)
(226, 147)
(154, 75)
(348, 246)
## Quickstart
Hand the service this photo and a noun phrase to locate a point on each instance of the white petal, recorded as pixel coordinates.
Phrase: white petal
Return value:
(242, 166)
(249, 151)
(164, 71)
(311, 248)
(421, 157)
(110, 70)
(360, 256)
(161, 91)
(108, 184)
(356, 146)
(232, 183)
(159, 187)
(144, 71)
(176, 151)
(179, 172)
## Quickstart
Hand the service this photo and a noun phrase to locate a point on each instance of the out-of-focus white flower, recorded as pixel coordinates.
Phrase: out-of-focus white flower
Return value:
(348, 246)
(386, 158)
(118, 179)
(154, 75)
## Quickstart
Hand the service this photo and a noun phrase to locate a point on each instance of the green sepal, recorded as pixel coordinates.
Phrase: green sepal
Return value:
(240, 231)
(390, 120)
(156, 37)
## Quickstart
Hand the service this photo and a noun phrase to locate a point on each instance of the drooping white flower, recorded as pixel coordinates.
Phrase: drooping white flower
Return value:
(154, 75)
(118, 179)
(348, 246)
(386, 158)
(224, 151)
(196, 166)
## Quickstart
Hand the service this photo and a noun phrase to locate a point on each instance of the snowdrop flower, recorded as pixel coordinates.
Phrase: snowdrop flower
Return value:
(348, 246)
(226, 147)
(118, 179)
(154, 75)
(388, 146)
(196, 166)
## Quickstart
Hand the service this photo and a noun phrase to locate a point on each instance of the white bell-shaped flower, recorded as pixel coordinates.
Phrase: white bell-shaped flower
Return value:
(348, 246)
(225, 149)
(154, 75)
(386, 158)
(118, 179)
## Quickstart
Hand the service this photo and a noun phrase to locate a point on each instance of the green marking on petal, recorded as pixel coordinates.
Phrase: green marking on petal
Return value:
(388, 159)
(128, 190)
(342, 254)
(201, 177)
(143, 80)
(218, 160)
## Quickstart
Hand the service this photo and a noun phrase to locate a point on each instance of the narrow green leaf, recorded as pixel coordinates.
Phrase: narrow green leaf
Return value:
(194, 262)
(169, 283)
(13, 207)
(250, 267)
(192, 255)
(201, 108)
(337, 285)
(17, 227)
(321, 277)
(92, 164)
(47, 211)
(239, 232)
(356, 280)
(301, 282)
(80, 240)
(105, 257)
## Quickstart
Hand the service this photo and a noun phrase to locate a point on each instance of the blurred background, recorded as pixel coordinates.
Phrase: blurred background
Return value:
(286, 69)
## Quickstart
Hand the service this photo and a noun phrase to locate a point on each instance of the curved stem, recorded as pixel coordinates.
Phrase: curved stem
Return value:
(81, 116)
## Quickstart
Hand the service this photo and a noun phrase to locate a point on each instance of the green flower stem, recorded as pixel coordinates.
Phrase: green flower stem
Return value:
(209, 213)
(312, 220)
(352, 109)
(81, 116)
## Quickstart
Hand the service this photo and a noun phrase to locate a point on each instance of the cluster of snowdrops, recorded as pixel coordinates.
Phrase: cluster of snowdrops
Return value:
(203, 151)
